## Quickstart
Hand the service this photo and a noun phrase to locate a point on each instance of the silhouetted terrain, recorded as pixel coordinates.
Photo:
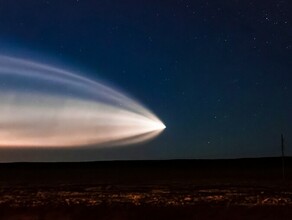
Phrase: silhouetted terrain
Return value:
(175, 189)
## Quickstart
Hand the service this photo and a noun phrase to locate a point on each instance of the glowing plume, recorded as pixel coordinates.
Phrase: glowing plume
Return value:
(43, 106)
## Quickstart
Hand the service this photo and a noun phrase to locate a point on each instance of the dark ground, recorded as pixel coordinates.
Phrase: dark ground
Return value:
(188, 189)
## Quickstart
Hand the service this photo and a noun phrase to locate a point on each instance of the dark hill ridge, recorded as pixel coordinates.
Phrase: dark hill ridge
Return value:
(146, 172)
(261, 161)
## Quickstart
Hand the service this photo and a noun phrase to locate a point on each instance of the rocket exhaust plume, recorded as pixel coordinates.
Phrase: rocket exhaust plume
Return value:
(44, 106)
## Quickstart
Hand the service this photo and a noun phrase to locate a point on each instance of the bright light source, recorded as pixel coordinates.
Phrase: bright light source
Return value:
(43, 106)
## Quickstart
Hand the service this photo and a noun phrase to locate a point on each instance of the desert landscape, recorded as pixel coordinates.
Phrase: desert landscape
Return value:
(178, 189)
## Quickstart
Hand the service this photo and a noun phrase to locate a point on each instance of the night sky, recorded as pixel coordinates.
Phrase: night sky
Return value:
(217, 73)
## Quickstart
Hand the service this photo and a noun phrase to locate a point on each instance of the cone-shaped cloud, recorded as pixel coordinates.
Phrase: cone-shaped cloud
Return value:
(43, 106)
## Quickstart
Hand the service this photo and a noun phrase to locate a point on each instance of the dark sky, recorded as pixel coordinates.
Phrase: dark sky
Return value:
(217, 73)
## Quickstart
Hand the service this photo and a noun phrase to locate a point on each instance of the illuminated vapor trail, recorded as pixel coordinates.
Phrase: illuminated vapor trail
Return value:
(43, 106)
